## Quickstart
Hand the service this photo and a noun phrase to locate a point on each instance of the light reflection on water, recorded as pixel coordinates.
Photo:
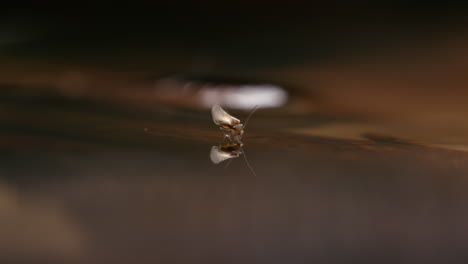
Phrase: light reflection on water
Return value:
(227, 93)
(120, 194)
(245, 97)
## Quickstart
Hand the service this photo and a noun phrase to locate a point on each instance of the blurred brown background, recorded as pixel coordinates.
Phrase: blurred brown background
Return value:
(105, 132)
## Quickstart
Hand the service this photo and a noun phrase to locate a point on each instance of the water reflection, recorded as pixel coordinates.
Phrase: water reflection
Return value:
(227, 151)
(156, 198)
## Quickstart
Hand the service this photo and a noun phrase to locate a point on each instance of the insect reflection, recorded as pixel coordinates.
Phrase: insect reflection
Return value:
(227, 151)
(233, 131)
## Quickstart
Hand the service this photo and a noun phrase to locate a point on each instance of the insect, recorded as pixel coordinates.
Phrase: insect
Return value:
(229, 125)
(233, 131)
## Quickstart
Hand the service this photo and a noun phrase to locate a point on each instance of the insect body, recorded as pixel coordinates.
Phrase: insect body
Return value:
(229, 125)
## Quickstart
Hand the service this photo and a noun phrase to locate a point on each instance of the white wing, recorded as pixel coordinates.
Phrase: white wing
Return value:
(220, 117)
(216, 155)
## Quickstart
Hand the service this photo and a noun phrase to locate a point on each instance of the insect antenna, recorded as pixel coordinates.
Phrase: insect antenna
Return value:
(248, 164)
(250, 115)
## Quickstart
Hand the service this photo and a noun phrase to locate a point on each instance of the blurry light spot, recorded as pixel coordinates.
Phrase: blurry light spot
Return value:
(244, 96)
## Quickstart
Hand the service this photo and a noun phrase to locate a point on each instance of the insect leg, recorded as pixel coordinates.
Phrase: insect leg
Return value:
(250, 115)
(226, 134)
(248, 164)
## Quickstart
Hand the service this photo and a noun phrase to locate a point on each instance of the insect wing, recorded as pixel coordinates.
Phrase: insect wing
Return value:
(221, 117)
(217, 155)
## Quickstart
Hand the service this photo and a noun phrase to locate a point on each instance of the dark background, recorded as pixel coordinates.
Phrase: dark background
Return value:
(263, 32)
